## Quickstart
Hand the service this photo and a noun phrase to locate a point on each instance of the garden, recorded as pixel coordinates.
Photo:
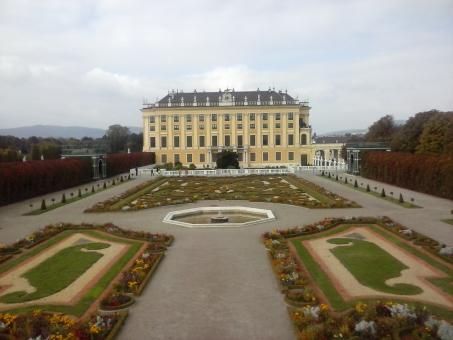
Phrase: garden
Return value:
(274, 189)
(363, 278)
(75, 281)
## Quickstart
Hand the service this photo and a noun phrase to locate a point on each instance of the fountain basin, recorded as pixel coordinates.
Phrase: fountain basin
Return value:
(219, 217)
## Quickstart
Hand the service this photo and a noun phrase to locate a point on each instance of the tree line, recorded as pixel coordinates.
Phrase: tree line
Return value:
(116, 139)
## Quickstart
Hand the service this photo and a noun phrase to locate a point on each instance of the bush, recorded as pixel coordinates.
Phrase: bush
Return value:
(383, 193)
(401, 198)
(105, 185)
(123, 162)
(336, 177)
(355, 184)
(368, 188)
(79, 193)
(432, 174)
(63, 198)
(92, 189)
(43, 205)
(192, 166)
(345, 180)
(22, 180)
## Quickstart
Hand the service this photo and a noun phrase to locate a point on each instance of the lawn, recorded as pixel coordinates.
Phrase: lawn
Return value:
(358, 256)
(60, 270)
(274, 189)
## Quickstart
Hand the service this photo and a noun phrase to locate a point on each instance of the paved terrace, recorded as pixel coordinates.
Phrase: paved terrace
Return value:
(217, 283)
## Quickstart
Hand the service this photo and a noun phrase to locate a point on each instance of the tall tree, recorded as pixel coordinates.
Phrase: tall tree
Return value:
(50, 150)
(135, 142)
(407, 138)
(434, 134)
(117, 136)
(35, 152)
(382, 130)
(227, 160)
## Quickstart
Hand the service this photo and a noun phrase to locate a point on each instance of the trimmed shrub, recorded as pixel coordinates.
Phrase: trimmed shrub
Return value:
(63, 198)
(43, 205)
(104, 185)
(401, 198)
(368, 188)
(345, 180)
(79, 193)
(22, 180)
(92, 189)
(431, 174)
(336, 177)
(383, 193)
(355, 184)
(123, 162)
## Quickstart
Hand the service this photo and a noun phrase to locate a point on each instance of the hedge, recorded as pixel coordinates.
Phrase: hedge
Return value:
(122, 162)
(425, 173)
(22, 180)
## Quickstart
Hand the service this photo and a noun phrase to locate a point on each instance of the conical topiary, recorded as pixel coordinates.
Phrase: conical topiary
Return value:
(105, 185)
(401, 198)
(355, 184)
(122, 179)
(92, 189)
(129, 176)
(79, 193)
(63, 198)
(368, 188)
(383, 193)
(43, 205)
(113, 182)
(345, 180)
(328, 174)
(336, 177)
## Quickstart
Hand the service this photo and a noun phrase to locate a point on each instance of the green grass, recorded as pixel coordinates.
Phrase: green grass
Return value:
(57, 272)
(88, 299)
(448, 221)
(376, 194)
(337, 302)
(371, 265)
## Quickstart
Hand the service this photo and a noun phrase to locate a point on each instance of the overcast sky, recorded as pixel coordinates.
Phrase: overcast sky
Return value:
(91, 63)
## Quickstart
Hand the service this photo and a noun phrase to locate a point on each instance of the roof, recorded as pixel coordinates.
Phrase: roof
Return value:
(227, 97)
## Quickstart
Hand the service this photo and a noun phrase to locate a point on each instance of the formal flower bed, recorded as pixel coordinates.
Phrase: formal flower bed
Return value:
(38, 325)
(372, 320)
(273, 189)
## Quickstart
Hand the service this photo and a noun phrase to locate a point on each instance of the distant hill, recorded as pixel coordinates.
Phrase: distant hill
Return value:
(57, 131)
(344, 132)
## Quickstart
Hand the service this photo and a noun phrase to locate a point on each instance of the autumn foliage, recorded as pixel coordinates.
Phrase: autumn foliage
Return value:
(431, 174)
(121, 162)
(22, 180)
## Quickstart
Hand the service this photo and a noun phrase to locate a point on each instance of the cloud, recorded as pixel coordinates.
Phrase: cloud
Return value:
(355, 60)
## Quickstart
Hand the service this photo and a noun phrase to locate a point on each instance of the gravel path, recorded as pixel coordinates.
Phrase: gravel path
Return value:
(218, 283)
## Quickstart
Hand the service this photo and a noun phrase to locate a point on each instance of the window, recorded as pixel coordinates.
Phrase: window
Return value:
(265, 140)
(240, 157)
(176, 141)
(152, 128)
(163, 158)
(303, 139)
(277, 125)
(214, 141)
(252, 140)
(189, 128)
(239, 117)
(152, 119)
(278, 156)
(163, 119)
(290, 116)
(176, 127)
(227, 126)
(252, 117)
(163, 128)
(214, 126)
(201, 118)
(290, 139)
(252, 157)
(189, 118)
(227, 140)
(177, 158)
(278, 140)
(189, 158)
(176, 119)
(278, 116)
(264, 116)
(214, 117)
(265, 126)
(265, 156)
(189, 141)
(202, 158)
(290, 156)
(201, 141)
(201, 127)
(152, 142)
(290, 125)
(239, 126)
(227, 118)
(240, 141)
(252, 126)
(163, 142)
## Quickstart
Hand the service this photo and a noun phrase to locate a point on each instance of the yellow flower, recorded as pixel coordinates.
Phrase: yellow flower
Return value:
(94, 329)
(324, 307)
(360, 307)
(37, 313)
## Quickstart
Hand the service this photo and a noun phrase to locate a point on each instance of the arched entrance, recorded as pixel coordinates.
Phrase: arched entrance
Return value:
(303, 160)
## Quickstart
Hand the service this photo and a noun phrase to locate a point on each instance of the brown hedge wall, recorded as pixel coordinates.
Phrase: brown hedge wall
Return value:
(121, 162)
(22, 180)
(425, 173)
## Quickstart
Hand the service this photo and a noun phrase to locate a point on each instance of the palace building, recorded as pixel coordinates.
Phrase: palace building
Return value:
(265, 128)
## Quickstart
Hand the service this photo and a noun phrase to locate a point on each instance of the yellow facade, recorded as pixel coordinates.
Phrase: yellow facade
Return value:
(272, 132)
